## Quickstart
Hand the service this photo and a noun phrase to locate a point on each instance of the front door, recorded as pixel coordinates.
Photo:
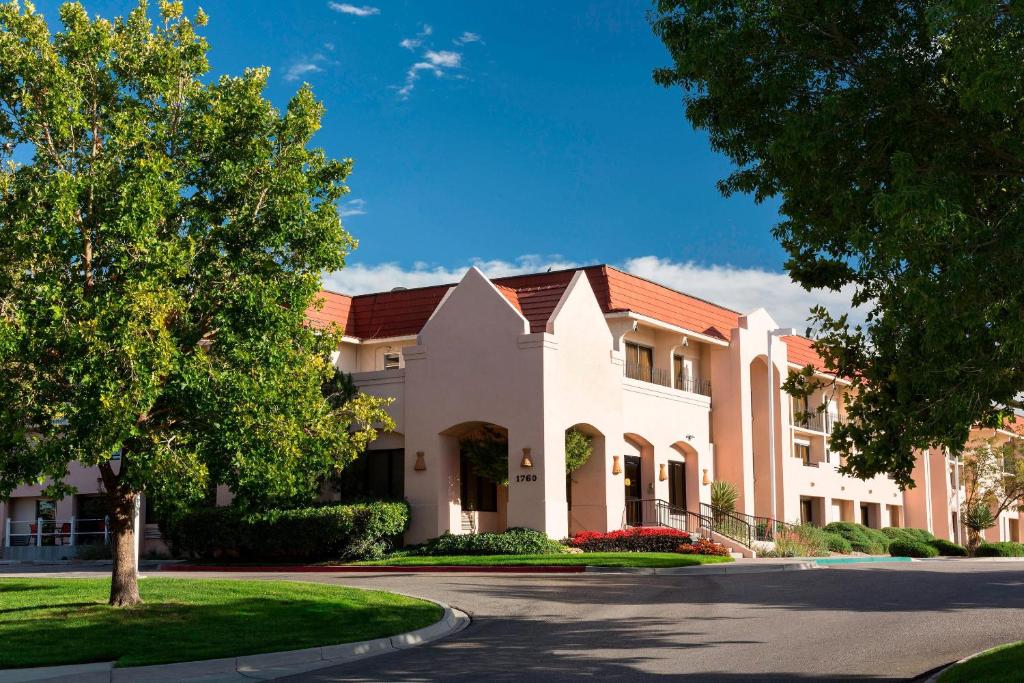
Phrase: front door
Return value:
(632, 481)
(676, 485)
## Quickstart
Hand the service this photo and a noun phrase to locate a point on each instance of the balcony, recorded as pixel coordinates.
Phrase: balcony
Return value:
(663, 377)
(816, 422)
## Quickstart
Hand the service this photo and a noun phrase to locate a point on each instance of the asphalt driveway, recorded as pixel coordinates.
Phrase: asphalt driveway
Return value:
(891, 621)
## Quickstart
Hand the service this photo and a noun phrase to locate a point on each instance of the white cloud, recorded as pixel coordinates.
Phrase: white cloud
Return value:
(410, 43)
(444, 58)
(467, 37)
(741, 289)
(300, 69)
(345, 8)
(353, 207)
(426, 30)
(436, 63)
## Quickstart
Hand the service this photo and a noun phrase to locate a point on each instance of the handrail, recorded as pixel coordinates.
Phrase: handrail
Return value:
(664, 377)
(741, 527)
(657, 512)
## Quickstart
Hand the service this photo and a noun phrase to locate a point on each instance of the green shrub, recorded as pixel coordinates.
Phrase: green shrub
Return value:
(895, 533)
(327, 532)
(1004, 549)
(724, 495)
(838, 544)
(912, 549)
(861, 538)
(948, 548)
(802, 540)
(511, 542)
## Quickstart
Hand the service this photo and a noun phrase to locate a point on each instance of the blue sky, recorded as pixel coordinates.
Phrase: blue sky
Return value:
(514, 136)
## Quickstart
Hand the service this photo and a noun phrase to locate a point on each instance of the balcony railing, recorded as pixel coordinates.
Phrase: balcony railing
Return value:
(40, 532)
(663, 377)
(817, 422)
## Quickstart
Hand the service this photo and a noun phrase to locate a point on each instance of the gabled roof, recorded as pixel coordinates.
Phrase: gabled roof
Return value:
(405, 311)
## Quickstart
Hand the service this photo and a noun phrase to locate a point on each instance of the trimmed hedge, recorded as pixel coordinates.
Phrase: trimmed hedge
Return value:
(912, 549)
(1003, 549)
(896, 533)
(838, 544)
(515, 541)
(328, 532)
(703, 547)
(636, 539)
(861, 538)
(948, 548)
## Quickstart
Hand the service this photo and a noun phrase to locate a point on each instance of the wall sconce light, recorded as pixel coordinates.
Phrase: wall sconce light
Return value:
(420, 465)
(662, 472)
(616, 465)
(706, 479)
(526, 461)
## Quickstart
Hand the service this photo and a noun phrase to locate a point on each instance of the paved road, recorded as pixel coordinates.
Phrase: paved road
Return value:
(864, 623)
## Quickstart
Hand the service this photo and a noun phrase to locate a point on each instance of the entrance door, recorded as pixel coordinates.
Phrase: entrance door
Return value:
(632, 481)
(676, 485)
(806, 511)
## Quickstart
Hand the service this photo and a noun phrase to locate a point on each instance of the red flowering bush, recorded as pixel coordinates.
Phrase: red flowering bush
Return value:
(637, 539)
(703, 547)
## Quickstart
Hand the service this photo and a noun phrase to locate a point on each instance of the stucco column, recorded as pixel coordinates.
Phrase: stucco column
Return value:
(433, 493)
(536, 495)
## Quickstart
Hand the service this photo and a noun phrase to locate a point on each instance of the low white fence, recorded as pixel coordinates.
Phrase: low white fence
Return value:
(73, 531)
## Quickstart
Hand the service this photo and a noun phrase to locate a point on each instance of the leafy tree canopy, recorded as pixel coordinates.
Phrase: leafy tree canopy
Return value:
(161, 241)
(892, 134)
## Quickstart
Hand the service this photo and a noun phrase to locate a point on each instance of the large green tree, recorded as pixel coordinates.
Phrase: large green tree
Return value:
(160, 240)
(891, 133)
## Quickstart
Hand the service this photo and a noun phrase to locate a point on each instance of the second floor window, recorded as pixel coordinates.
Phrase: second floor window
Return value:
(802, 451)
(639, 361)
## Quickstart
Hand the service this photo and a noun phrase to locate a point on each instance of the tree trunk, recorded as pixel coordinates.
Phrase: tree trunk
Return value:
(124, 585)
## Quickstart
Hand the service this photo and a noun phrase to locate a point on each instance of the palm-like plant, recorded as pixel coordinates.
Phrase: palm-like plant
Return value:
(977, 517)
(723, 496)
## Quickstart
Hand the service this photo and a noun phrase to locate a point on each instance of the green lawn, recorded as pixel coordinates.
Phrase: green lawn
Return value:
(64, 621)
(1002, 663)
(592, 559)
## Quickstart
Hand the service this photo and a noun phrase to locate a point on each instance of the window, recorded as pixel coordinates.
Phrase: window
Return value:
(802, 451)
(391, 361)
(682, 371)
(477, 494)
(374, 475)
(639, 361)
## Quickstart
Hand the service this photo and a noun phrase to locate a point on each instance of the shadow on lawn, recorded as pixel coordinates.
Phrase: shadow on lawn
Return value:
(162, 631)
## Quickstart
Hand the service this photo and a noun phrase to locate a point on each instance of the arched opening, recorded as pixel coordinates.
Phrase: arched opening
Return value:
(479, 485)
(683, 477)
(761, 433)
(637, 477)
(585, 486)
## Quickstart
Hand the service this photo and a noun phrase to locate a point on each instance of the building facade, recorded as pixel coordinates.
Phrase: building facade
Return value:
(673, 391)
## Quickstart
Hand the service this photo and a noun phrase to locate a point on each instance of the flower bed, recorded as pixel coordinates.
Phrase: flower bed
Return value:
(637, 539)
(703, 547)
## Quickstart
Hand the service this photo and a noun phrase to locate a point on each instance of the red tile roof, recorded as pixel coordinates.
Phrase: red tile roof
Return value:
(405, 311)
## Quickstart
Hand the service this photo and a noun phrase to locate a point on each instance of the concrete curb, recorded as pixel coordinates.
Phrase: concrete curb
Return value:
(707, 569)
(247, 667)
(381, 569)
(935, 676)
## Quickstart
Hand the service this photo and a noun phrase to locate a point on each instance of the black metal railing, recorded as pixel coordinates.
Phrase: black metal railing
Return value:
(817, 422)
(663, 377)
(745, 529)
(657, 512)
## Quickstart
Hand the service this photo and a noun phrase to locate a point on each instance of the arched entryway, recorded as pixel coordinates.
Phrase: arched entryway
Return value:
(683, 477)
(586, 487)
(479, 485)
(637, 477)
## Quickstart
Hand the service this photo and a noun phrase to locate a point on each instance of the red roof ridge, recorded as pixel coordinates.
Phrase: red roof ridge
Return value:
(675, 291)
